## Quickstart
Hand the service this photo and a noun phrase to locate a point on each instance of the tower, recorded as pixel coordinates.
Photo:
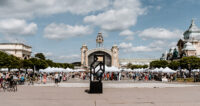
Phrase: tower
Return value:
(115, 53)
(84, 50)
(99, 40)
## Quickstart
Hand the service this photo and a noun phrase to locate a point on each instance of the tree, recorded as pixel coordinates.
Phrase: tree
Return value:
(40, 56)
(174, 65)
(27, 64)
(158, 64)
(190, 63)
(4, 60)
(129, 65)
(38, 64)
(14, 62)
(50, 63)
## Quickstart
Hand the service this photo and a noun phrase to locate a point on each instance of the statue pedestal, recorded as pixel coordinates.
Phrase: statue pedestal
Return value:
(96, 87)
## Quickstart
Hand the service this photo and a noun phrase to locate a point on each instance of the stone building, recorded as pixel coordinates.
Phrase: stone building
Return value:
(189, 45)
(17, 49)
(135, 61)
(111, 55)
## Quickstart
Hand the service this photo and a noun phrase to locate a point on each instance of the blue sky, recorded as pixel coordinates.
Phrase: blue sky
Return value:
(58, 28)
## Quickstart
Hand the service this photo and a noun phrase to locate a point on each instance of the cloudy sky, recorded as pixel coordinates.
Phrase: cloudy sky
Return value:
(58, 28)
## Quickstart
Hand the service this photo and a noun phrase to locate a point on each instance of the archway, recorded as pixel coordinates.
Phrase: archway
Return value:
(108, 59)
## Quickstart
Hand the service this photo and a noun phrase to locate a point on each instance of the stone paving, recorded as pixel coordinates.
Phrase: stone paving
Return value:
(76, 96)
(124, 85)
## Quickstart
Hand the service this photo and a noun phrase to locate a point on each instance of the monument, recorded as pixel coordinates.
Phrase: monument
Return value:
(111, 55)
(97, 69)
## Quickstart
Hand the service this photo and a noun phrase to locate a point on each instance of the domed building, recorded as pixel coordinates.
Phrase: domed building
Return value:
(189, 45)
(111, 55)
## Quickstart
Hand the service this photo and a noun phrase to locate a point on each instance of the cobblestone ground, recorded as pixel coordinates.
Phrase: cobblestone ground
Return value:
(186, 95)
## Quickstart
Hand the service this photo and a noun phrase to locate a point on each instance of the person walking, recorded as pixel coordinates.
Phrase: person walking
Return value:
(44, 78)
(120, 74)
(56, 77)
(184, 76)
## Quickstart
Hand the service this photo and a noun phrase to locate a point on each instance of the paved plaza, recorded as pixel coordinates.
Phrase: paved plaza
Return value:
(166, 95)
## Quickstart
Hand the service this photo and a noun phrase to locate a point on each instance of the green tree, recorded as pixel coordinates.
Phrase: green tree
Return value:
(190, 63)
(174, 65)
(40, 56)
(129, 65)
(27, 64)
(50, 63)
(38, 64)
(4, 60)
(158, 64)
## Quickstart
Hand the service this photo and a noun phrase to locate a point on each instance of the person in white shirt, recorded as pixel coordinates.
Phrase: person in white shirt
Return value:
(56, 76)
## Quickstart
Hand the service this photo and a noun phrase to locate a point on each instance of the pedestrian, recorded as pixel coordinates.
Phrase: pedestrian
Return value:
(56, 78)
(44, 78)
(184, 77)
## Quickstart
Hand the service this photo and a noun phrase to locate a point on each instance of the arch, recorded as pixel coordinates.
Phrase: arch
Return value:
(108, 57)
(99, 49)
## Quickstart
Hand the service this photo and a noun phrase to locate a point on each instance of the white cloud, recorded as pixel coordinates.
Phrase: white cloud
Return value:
(13, 39)
(160, 33)
(129, 38)
(124, 45)
(69, 58)
(128, 34)
(152, 47)
(60, 31)
(122, 15)
(48, 54)
(17, 27)
(172, 44)
(32, 8)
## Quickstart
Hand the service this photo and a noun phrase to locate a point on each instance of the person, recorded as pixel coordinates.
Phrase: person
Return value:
(184, 77)
(22, 79)
(56, 76)
(119, 76)
(1, 81)
(10, 80)
(108, 76)
(44, 79)
(31, 78)
(60, 77)
(64, 77)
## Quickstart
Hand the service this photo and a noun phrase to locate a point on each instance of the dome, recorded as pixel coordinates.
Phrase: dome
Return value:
(193, 27)
(188, 46)
(192, 32)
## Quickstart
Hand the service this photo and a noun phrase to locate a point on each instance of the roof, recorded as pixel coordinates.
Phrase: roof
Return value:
(15, 44)
(188, 46)
(192, 32)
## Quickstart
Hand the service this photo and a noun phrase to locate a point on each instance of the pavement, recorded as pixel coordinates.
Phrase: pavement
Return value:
(123, 85)
(130, 96)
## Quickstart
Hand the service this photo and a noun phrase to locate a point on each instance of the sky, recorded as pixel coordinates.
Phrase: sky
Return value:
(58, 28)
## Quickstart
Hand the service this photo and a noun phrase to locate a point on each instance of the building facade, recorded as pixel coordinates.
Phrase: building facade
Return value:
(125, 62)
(17, 49)
(111, 55)
(189, 45)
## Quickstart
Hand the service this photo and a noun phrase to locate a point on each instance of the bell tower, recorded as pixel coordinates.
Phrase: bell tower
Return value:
(99, 40)
(84, 50)
(115, 53)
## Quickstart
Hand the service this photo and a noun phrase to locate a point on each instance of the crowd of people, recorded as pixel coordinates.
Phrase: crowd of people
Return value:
(57, 77)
